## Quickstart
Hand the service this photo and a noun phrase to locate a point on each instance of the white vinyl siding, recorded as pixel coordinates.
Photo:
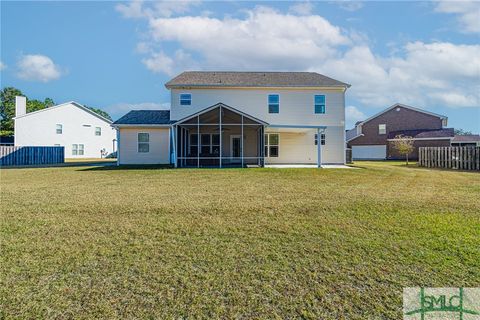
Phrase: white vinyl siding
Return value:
(296, 105)
(40, 129)
(159, 151)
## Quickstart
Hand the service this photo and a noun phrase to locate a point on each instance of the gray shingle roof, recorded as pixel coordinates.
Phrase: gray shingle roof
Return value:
(253, 79)
(148, 117)
(423, 133)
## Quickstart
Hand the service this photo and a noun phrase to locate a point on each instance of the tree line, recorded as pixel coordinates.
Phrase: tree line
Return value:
(7, 108)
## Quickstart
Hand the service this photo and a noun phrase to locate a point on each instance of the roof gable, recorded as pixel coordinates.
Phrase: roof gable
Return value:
(220, 104)
(403, 106)
(73, 103)
(252, 79)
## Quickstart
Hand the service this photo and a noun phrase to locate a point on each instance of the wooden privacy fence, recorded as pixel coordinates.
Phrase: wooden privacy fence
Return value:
(461, 158)
(18, 156)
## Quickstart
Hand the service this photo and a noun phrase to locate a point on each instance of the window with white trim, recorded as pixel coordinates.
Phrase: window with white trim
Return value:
(185, 99)
(273, 103)
(143, 142)
(319, 101)
(272, 145)
(382, 129)
(322, 139)
(210, 144)
(98, 131)
(59, 128)
(78, 150)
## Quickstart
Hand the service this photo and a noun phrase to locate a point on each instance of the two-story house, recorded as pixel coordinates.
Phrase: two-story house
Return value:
(225, 119)
(82, 132)
(371, 139)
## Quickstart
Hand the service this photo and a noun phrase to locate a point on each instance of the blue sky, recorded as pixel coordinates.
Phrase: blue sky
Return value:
(118, 55)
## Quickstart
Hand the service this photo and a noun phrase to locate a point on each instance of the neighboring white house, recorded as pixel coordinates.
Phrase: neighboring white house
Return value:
(83, 133)
(222, 119)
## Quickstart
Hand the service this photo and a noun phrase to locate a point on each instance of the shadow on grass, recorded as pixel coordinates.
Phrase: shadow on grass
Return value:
(127, 167)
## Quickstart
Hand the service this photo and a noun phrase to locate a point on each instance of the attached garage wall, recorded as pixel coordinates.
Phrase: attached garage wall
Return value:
(369, 152)
(159, 146)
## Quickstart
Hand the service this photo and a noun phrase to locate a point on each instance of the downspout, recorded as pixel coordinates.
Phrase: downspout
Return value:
(319, 149)
(118, 146)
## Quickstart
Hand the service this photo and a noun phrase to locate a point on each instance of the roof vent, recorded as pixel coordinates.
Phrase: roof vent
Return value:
(398, 109)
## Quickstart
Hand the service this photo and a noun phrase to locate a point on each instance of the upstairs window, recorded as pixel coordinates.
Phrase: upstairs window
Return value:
(382, 129)
(319, 103)
(271, 145)
(98, 131)
(59, 129)
(273, 103)
(185, 99)
(322, 139)
(143, 142)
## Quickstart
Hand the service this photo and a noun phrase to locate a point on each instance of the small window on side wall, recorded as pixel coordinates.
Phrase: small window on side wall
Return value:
(273, 103)
(319, 103)
(322, 139)
(185, 99)
(98, 131)
(271, 145)
(382, 129)
(78, 150)
(59, 129)
(143, 142)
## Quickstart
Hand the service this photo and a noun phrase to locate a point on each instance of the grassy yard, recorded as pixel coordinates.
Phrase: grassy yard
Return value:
(83, 242)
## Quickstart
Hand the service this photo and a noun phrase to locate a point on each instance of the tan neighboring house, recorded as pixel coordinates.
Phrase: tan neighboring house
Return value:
(238, 119)
(371, 138)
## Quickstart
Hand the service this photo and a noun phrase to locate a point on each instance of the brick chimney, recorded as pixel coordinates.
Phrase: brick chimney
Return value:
(20, 106)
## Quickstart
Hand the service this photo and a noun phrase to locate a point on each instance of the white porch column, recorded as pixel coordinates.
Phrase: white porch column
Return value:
(174, 142)
(319, 149)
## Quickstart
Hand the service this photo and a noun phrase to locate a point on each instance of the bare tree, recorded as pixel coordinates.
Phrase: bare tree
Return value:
(404, 145)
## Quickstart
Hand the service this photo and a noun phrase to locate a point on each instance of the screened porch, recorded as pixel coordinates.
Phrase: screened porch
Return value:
(220, 137)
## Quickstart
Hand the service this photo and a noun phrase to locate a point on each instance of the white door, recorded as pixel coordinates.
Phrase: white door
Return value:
(235, 148)
(372, 152)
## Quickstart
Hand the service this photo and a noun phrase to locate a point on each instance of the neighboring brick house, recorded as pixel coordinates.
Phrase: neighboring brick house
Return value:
(371, 139)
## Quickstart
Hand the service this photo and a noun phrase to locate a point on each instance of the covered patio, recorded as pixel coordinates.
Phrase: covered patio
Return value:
(218, 137)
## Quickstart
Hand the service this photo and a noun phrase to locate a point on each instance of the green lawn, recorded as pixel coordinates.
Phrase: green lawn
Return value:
(83, 242)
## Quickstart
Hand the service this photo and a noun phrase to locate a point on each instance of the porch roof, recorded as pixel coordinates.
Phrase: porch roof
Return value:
(218, 105)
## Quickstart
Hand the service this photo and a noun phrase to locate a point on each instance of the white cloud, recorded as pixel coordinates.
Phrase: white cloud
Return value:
(37, 67)
(256, 42)
(137, 8)
(353, 114)
(159, 62)
(302, 8)
(468, 13)
(416, 73)
(349, 5)
(2, 65)
(426, 74)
